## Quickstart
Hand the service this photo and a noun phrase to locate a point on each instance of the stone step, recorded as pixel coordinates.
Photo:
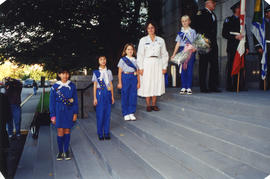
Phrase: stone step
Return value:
(62, 169)
(117, 161)
(223, 106)
(255, 115)
(247, 133)
(256, 96)
(43, 165)
(138, 148)
(25, 168)
(255, 129)
(187, 146)
(84, 156)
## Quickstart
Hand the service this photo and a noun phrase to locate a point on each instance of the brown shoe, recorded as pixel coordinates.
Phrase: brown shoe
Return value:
(155, 108)
(148, 108)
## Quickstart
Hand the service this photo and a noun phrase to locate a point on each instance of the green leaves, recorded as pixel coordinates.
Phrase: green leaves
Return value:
(70, 33)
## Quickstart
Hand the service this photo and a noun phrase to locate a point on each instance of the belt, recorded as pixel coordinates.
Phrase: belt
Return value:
(109, 88)
(129, 73)
(153, 56)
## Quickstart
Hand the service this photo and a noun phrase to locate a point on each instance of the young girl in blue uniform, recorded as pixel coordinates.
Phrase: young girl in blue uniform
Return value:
(128, 81)
(186, 36)
(63, 111)
(103, 98)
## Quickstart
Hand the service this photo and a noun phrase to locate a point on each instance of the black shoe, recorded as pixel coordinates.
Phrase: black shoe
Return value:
(204, 91)
(18, 137)
(101, 138)
(216, 90)
(59, 156)
(11, 137)
(67, 155)
(107, 137)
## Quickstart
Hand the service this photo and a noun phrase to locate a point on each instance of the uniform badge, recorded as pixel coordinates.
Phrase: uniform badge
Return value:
(71, 100)
(199, 13)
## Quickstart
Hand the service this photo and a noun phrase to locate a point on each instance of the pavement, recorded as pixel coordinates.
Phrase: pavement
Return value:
(29, 105)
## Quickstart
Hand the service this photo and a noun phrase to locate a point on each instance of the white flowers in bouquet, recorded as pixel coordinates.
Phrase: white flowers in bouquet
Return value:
(200, 44)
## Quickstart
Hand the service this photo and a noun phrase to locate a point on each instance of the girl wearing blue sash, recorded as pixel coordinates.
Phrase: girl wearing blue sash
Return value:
(186, 36)
(63, 111)
(103, 98)
(128, 82)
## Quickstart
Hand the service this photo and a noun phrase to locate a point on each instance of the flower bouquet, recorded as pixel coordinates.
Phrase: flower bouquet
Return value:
(200, 44)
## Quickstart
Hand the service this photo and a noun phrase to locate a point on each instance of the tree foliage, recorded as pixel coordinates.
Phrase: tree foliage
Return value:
(69, 33)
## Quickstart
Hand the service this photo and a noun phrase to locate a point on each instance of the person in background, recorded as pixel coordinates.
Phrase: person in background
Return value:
(13, 91)
(259, 49)
(186, 36)
(5, 116)
(63, 111)
(103, 98)
(231, 32)
(128, 81)
(152, 58)
(206, 24)
(35, 87)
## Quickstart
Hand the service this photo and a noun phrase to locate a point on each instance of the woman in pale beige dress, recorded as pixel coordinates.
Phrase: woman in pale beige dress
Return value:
(152, 60)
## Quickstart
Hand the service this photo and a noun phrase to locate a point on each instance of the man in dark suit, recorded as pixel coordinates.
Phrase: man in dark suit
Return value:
(5, 116)
(231, 32)
(206, 24)
(259, 49)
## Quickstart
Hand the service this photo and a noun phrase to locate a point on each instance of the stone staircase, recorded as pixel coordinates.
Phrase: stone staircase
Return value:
(207, 136)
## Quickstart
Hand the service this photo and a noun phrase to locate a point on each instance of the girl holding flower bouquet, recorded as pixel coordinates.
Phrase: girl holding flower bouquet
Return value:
(184, 40)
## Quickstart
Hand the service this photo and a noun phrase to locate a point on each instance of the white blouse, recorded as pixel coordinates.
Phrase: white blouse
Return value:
(148, 48)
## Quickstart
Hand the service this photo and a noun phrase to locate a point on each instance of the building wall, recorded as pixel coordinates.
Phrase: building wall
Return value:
(171, 25)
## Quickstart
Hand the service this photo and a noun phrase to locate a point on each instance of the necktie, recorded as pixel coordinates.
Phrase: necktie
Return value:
(213, 16)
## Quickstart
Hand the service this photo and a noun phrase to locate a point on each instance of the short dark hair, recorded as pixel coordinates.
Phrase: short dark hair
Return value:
(153, 23)
(63, 70)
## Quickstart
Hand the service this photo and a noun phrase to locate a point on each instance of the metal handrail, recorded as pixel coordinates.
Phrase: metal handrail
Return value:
(82, 93)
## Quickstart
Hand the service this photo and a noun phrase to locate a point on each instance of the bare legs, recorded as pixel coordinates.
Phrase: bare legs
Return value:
(154, 101)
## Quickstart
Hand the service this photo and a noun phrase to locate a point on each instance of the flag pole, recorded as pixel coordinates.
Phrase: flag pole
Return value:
(238, 81)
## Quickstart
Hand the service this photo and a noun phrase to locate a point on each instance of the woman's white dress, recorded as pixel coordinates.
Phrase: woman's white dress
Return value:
(152, 57)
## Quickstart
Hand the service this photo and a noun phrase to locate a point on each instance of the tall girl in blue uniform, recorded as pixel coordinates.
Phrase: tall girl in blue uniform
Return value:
(63, 111)
(186, 36)
(128, 82)
(103, 98)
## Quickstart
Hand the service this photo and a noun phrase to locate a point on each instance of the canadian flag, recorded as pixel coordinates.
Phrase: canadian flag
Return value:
(238, 62)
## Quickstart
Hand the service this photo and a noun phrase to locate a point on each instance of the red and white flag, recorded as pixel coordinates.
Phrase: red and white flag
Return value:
(238, 62)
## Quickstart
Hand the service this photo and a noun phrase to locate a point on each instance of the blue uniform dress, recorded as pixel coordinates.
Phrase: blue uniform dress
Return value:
(104, 102)
(129, 85)
(63, 112)
(184, 37)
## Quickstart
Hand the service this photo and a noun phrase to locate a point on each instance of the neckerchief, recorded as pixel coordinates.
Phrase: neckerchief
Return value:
(184, 37)
(104, 75)
(61, 84)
